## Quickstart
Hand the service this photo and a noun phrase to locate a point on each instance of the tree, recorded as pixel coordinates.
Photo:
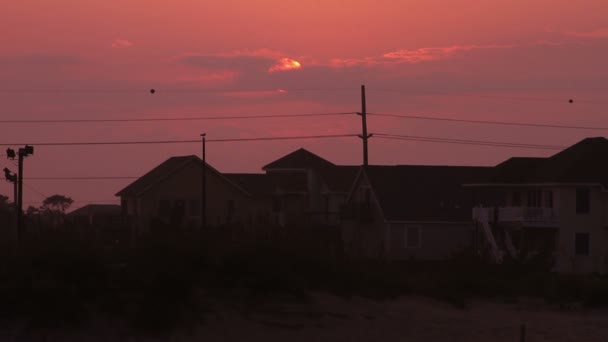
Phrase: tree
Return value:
(57, 203)
(54, 208)
(32, 211)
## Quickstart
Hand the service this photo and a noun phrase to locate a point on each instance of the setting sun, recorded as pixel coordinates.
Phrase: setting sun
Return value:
(286, 64)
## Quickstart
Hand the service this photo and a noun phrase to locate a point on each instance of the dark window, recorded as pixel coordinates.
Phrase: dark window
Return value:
(582, 201)
(534, 198)
(412, 237)
(581, 244)
(164, 207)
(516, 199)
(548, 198)
(179, 208)
(194, 208)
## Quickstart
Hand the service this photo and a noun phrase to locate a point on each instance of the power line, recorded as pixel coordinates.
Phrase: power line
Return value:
(237, 117)
(36, 191)
(89, 143)
(502, 97)
(82, 178)
(158, 91)
(509, 123)
(467, 142)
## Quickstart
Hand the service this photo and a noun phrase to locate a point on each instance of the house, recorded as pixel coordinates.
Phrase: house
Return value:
(326, 188)
(409, 212)
(555, 206)
(283, 195)
(103, 221)
(92, 215)
(170, 196)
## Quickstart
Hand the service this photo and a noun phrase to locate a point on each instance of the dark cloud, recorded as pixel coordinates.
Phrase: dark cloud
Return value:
(41, 59)
(236, 62)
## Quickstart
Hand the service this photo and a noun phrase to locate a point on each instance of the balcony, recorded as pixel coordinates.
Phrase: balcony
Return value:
(537, 217)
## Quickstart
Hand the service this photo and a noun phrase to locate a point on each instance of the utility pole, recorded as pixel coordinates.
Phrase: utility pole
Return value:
(11, 177)
(364, 136)
(22, 153)
(204, 187)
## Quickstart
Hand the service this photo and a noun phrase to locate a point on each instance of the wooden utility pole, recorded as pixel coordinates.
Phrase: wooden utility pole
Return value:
(21, 154)
(204, 187)
(364, 134)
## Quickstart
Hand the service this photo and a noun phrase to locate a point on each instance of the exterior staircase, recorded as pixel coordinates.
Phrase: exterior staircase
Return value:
(482, 217)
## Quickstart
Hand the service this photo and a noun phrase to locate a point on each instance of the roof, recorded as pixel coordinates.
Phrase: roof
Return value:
(339, 178)
(586, 161)
(583, 162)
(299, 159)
(267, 184)
(97, 209)
(164, 170)
(516, 169)
(155, 175)
(424, 193)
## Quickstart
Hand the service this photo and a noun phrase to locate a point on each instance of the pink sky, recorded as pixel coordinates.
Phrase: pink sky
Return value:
(483, 60)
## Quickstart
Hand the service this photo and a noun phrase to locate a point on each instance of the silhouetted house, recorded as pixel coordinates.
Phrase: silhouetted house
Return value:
(104, 222)
(92, 215)
(555, 206)
(281, 194)
(410, 212)
(170, 196)
(325, 188)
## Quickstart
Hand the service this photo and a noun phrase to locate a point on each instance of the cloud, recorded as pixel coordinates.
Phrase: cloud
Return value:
(260, 60)
(411, 56)
(435, 53)
(121, 44)
(41, 59)
(598, 33)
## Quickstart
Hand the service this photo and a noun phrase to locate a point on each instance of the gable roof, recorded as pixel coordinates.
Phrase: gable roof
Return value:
(268, 184)
(586, 161)
(424, 193)
(299, 159)
(96, 209)
(339, 178)
(583, 162)
(164, 170)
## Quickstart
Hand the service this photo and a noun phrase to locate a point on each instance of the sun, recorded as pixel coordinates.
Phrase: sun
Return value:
(286, 64)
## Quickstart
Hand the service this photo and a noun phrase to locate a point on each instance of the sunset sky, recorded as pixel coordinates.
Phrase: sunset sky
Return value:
(515, 61)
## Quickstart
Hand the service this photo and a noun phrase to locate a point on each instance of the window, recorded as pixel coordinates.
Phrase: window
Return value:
(194, 208)
(581, 244)
(548, 199)
(582, 201)
(164, 207)
(534, 198)
(412, 237)
(516, 199)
